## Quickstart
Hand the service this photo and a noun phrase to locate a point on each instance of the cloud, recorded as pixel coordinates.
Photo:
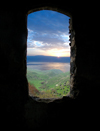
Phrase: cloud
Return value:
(47, 40)
(48, 30)
(48, 21)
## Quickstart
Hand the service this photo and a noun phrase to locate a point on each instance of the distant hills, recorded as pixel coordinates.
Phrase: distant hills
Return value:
(41, 58)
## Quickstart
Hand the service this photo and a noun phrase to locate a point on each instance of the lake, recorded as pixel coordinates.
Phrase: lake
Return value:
(65, 67)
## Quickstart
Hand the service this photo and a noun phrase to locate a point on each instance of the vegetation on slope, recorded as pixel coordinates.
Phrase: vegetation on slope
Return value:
(48, 84)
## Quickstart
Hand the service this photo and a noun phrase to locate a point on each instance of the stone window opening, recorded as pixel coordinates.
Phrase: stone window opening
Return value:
(73, 93)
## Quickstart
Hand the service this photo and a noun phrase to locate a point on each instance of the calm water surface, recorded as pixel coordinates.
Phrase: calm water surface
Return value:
(65, 67)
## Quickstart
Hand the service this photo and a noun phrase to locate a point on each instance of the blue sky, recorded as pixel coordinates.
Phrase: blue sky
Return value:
(48, 34)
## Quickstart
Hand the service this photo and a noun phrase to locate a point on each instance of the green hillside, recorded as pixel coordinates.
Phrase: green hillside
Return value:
(50, 83)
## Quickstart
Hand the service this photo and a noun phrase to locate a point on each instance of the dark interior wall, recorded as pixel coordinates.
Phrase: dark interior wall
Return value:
(87, 54)
(13, 82)
(17, 108)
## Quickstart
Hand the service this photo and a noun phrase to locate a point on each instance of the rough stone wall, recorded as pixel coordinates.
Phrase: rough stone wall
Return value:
(17, 108)
(87, 75)
(73, 89)
(13, 82)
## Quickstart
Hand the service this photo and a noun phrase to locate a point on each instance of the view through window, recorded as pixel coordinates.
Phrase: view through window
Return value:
(48, 54)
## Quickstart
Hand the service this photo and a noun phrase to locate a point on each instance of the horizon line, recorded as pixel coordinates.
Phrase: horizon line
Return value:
(49, 56)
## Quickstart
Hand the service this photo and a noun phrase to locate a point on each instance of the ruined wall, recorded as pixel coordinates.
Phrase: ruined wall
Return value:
(73, 69)
(87, 76)
(13, 82)
(17, 108)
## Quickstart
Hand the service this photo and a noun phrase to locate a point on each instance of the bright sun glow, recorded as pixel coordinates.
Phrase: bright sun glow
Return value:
(58, 55)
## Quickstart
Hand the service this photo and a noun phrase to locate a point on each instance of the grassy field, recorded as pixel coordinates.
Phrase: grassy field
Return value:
(49, 84)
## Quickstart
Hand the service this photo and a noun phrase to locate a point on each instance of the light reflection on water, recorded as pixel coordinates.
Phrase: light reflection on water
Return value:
(65, 67)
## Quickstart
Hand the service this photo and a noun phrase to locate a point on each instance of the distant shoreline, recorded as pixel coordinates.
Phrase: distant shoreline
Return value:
(40, 58)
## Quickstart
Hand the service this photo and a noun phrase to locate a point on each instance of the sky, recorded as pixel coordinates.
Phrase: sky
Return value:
(48, 34)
